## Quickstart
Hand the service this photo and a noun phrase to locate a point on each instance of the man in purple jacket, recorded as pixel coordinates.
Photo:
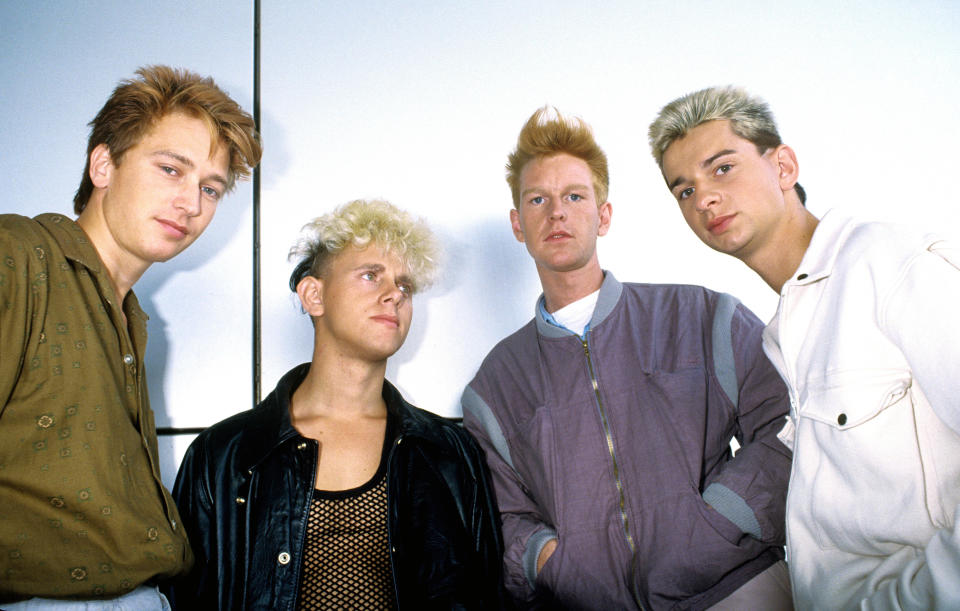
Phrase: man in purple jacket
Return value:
(607, 419)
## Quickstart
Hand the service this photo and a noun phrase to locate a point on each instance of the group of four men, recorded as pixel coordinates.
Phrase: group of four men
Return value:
(594, 469)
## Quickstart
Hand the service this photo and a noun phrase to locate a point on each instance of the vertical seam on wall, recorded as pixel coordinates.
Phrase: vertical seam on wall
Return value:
(172, 430)
(256, 210)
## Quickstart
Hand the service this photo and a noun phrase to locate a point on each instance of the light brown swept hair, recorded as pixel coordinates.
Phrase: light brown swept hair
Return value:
(543, 136)
(137, 104)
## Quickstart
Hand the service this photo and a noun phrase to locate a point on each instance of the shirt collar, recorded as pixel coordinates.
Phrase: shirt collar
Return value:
(821, 254)
(609, 295)
(72, 240)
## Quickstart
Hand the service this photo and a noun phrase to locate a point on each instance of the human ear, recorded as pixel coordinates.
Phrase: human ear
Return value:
(101, 165)
(310, 292)
(515, 225)
(605, 212)
(787, 166)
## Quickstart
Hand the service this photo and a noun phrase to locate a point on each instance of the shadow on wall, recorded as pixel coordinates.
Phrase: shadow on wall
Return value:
(489, 277)
(226, 224)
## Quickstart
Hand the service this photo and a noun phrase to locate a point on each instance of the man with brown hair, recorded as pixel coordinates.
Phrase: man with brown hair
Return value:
(84, 515)
(607, 419)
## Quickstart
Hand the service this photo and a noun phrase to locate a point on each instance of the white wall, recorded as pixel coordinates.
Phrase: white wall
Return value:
(420, 102)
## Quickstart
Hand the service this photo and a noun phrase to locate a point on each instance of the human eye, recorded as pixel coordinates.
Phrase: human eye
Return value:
(369, 275)
(575, 197)
(210, 192)
(723, 169)
(536, 200)
(406, 288)
(684, 193)
(169, 170)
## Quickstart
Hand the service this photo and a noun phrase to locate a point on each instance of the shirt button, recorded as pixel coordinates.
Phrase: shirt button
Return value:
(801, 276)
(842, 419)
(128, 359)
(283, 558)
(302, 445)
(241, 500)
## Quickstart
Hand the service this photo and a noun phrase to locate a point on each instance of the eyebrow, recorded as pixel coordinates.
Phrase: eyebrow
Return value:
(371, 267)
(576, 187)
(189, 163)
(377, 267)
(703, 164)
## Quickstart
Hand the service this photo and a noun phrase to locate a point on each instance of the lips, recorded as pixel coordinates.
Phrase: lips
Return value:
(387, 319)
(720, 224)
(174, 229)
(557, 235)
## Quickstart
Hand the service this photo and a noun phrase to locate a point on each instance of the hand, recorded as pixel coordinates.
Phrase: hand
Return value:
(545, 552)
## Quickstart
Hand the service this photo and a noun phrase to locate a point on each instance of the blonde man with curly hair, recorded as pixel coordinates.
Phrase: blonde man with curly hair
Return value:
(607, 419)
(865, 336)
(84, 516)
(334, 492)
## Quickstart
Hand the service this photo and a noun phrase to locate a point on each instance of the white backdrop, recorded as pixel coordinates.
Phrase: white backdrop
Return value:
(420, 102)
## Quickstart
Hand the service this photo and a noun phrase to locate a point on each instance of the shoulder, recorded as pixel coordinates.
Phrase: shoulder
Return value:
(240, 435)
(444, 433)
(513, 347)
(16, 223)
(661, 304)
(18, 232)
(875, 242)
(229, 427)
(28, 229)
(876, 256)
(680, 294)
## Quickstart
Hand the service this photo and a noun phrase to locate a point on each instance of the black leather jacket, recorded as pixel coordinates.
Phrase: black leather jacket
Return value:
(244, 491)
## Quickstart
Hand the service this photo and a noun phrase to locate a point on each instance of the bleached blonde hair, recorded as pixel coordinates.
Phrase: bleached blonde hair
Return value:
(361, 223)
(749, 116)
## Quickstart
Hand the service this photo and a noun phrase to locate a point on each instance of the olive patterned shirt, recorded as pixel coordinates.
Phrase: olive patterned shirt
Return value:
(83, 512)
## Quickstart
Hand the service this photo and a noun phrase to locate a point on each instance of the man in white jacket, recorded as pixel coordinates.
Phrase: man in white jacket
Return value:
(867, 339)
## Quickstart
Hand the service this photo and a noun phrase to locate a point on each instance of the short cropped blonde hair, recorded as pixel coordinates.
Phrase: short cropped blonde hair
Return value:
(361, 223)
(543, 136)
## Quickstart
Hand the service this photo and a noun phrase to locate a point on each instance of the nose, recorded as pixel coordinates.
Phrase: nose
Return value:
(705, 199)
(557, 210)
(188, 199)
(394, 295)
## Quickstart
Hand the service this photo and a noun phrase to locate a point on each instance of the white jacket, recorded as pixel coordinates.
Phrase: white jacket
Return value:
(867, 337)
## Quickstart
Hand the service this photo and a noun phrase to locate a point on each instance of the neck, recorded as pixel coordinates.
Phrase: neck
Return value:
(122, 271)
(780, 257)
(563, 288)
(339, 386)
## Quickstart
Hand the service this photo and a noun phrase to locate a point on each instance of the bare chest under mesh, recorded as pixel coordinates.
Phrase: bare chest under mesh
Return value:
(346, 560)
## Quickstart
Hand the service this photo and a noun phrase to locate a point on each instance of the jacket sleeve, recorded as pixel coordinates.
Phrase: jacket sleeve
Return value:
(192, 494)
(486, 529)
(920, 317)
(751, 489)
(524, 530)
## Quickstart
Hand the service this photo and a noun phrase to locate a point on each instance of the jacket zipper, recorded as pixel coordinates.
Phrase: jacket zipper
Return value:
(390, 549)
(616, 475)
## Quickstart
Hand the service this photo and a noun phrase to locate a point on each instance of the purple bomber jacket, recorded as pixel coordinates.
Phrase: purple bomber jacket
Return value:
(617, 444)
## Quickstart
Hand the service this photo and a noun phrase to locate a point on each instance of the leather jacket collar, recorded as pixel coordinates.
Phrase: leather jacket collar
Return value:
(270, 428)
